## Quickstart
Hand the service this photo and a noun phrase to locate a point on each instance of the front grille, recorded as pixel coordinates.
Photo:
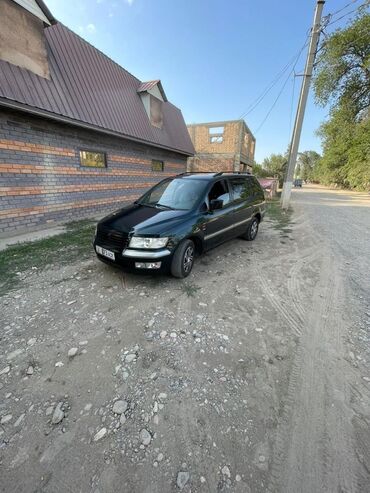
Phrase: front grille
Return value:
(112, 240)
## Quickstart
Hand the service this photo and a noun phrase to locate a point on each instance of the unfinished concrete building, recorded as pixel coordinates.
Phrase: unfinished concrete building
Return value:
(222, 146)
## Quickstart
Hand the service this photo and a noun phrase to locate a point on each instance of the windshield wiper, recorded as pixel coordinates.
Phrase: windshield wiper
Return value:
(165, 206)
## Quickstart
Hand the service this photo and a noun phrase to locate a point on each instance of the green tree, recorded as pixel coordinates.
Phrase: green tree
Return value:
(342, 81)
(342, 74)
(306, 164)
(259, 171)
(276, 166)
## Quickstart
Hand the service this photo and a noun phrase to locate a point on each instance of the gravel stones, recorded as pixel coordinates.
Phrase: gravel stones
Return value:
(100, 434)
(145, 437)
(5, 419)
(30, 370)
(182, 478)
(58, 414)
(120, 407)
(5, 370)
(72, 352)
(129, 358)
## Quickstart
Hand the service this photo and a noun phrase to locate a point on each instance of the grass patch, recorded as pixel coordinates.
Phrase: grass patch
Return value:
(74, 244)
(281, 218)
(189, 289)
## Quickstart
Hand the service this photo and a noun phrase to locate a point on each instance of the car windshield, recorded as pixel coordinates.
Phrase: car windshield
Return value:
(176, 193)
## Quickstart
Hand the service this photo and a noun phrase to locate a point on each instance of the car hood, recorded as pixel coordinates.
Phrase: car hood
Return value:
(142, 219)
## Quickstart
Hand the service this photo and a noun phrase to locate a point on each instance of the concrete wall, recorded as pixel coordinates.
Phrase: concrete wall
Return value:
(22, 41)
(42, 181)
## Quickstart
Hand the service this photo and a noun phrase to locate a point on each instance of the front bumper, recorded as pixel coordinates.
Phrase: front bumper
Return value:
(145, 254)
(128, 257)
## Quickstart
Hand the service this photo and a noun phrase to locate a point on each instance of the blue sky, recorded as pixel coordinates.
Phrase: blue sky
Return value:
(214, 57)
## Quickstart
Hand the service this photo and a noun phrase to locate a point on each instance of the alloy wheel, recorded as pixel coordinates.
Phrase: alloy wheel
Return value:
(188, 258)
(254, 228)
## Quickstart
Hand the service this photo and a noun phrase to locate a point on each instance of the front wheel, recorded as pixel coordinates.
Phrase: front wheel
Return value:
(252, 230)
(183, 259)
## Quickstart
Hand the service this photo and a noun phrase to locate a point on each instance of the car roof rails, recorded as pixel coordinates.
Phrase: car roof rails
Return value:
(197, 172)
(233, 173)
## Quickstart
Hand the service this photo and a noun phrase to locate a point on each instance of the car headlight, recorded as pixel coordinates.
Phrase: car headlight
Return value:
(149, 243)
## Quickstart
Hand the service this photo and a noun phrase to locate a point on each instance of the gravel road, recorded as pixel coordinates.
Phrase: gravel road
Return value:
(250, 376)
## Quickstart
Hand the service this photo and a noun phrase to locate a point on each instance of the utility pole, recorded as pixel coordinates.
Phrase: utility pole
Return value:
(315, 34)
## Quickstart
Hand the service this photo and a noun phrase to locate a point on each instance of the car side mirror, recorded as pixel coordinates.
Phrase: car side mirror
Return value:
(216, 204)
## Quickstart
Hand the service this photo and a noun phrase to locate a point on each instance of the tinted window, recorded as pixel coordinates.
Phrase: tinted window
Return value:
(219, 191)
(240, 189)
(255, 187)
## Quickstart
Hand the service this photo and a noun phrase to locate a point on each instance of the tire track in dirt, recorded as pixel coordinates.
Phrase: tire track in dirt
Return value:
(292, 320)
(313, 450)
(293, 283)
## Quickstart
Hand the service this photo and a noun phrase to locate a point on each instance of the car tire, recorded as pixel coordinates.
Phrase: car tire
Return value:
(252, 230)
(183, 259)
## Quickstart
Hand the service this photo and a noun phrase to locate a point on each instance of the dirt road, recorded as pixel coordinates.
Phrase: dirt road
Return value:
(250, 376)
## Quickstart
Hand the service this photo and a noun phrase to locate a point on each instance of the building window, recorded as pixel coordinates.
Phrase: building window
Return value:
(156, 114)
(93, 159)
(157, 165)
(216, 135)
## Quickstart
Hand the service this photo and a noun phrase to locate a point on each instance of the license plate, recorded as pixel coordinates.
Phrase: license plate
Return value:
(105, 253)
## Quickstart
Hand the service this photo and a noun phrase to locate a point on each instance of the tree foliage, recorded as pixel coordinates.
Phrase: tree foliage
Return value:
(306, 164)
(260, 172)
(342, 81)
(275, 165)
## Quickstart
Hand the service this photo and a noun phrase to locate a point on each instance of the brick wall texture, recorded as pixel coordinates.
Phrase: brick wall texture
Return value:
(234, 153)
(42, 181)
(211, 162)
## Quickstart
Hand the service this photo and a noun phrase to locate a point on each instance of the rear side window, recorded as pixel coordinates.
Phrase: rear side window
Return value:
(219, 191)
(256, 189)
(239, 188)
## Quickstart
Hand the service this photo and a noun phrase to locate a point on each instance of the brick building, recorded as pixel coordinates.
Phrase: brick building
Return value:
(79, 135)
(222, 146)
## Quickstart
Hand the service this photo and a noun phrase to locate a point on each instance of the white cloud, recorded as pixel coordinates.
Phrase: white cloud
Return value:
(130, 2)
(90, 28)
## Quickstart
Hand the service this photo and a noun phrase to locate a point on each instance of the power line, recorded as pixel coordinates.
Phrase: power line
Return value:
(274, 81)
(347, 13)
(274, 103)
(282, 89)
(343, 8)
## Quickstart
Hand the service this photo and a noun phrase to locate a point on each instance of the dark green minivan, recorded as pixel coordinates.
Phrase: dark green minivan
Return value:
(179, 217)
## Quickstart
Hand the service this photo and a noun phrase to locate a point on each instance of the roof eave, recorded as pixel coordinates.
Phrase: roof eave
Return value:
(70, 121)
(46, 12)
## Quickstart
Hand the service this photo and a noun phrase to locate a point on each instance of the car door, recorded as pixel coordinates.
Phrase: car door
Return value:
(218, 223)
(241, 193)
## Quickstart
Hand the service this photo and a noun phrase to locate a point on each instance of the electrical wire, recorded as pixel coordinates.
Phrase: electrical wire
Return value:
(347, 13)
(274, 81)
(274, 103)
(282, 89)
(343, 8)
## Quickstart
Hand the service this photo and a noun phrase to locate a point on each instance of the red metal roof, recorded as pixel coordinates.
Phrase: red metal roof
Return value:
(86, 86)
